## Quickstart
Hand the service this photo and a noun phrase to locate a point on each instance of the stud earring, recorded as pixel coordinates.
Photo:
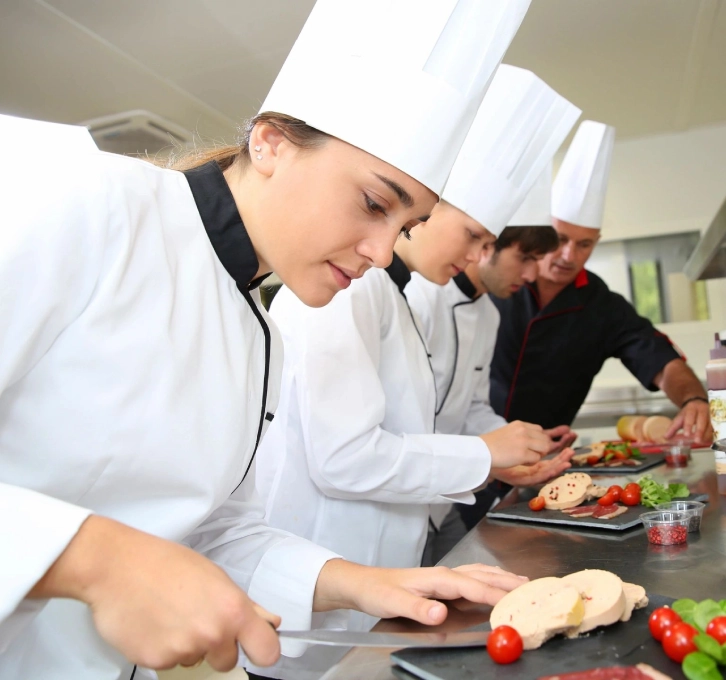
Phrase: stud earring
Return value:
(258, 148)
(259, 156)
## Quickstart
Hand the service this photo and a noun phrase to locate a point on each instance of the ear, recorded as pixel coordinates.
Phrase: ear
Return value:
(267, 146)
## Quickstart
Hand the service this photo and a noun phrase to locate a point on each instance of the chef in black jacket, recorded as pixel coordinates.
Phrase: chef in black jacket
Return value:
(556, 334)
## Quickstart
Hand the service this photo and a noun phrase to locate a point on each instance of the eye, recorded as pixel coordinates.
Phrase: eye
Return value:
(474, 236)
(374, 207)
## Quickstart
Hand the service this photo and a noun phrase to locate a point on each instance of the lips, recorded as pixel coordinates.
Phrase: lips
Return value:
(343, 276)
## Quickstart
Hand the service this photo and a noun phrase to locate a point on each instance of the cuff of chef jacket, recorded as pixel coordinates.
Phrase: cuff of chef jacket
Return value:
(34, 529)
(461, 463)
(284, 584)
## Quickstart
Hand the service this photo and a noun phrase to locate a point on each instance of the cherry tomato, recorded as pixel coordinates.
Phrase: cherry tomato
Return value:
(537, 503)
(678, 641)
(504, 644)
(633, 486)
(630, 496)
(620, 455)
(717, 629)
(616, 491)
(607, 499)
(660, 619)
(592, 460)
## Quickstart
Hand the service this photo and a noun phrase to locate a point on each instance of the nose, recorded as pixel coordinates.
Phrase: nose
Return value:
(378, 249)
(529, 274)
(474, 254)
(567, 252)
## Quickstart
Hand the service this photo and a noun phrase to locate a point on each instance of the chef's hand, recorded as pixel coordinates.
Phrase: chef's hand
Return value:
(412, 593)
(160, 604)
(543, 471)
(561, 437)
(517, 443)
(695, 420)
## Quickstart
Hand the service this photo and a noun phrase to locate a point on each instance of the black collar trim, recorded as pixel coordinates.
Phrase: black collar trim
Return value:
(398, 271)
(223, 224)
(465, 285)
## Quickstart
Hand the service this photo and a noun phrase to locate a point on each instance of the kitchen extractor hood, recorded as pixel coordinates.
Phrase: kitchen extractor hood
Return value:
(137, 132)
(708, 260)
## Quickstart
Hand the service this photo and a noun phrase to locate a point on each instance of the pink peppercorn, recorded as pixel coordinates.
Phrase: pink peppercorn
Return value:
(668, 535)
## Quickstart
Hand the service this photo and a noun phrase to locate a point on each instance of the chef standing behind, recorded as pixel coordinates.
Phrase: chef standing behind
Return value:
(556, 333)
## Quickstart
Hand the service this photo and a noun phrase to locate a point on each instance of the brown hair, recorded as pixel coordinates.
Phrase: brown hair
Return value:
(531, 240)
(294, 130)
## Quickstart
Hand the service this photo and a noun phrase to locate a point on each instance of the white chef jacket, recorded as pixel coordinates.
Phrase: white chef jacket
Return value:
(460, 330)
(137, 370)
(351, 461)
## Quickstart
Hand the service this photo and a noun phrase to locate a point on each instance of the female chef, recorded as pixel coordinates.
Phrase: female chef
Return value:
(352, 460)
(138, 372)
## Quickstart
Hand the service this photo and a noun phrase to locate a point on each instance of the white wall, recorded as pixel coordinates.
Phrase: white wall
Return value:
(662, 185)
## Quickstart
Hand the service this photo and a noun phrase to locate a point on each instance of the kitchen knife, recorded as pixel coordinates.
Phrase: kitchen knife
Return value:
(350, 638)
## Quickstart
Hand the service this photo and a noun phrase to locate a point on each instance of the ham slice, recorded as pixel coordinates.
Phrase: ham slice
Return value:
(609, 511)
(602, 595)
(581, 511)
(640, 672)
(539, 610)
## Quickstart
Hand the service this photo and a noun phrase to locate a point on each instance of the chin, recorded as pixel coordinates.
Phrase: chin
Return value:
(315, 298)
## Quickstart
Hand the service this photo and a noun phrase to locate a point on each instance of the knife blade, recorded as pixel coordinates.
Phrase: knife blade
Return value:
(352, 638)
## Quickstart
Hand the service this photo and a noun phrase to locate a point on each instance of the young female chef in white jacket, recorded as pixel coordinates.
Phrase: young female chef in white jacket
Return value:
(137, 374)
(352, 460)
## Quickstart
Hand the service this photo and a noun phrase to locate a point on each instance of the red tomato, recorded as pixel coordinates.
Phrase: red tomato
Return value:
(630, 496)
(633, 486)
(592, 460)
(620, 455)
(678, 641)
(717, 629)
(616, 491)
(607, 499)
(660, 619)
(537, 503)
(504, 644)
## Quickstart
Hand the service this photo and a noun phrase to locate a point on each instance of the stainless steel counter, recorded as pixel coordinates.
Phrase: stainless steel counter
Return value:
(696, 570)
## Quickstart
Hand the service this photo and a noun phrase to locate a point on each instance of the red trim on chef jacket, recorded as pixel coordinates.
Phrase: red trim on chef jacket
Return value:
(581, 281)
(672, 344)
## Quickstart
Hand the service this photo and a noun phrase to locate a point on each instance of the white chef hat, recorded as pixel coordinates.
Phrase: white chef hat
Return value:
(519, 126)
(400, 79)
(536, 209)
(578, 192)
(23, 135)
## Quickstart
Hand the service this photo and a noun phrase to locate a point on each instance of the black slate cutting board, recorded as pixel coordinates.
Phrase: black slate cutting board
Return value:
(622, 644)
(650, 461)
(629, 519)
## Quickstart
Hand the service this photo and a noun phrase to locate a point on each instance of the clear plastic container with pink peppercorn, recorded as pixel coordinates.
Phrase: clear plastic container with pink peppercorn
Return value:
(666, 527)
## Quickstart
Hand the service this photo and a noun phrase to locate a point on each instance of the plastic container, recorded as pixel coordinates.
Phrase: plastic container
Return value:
(666, 527)
(716, 385)
(677, 456)
(694, 510)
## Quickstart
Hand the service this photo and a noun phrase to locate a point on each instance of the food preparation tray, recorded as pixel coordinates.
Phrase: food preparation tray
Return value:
(649, 461)
(521, 512)
(622, 644)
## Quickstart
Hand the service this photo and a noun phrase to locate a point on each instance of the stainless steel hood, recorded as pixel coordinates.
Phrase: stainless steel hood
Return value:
(708, 260)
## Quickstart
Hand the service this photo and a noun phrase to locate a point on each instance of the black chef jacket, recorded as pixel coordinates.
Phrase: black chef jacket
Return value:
(546, 359)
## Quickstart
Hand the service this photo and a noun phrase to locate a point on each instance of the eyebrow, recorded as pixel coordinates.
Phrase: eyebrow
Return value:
(402, 194)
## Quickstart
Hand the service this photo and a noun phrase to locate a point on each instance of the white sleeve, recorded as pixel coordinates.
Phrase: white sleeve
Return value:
(335, 353)
(481, 417)
(279, 571)
(51, 246)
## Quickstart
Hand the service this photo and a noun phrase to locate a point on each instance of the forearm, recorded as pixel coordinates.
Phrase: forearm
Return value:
(679, 382)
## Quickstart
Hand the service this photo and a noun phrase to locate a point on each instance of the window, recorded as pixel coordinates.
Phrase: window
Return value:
(649, 273)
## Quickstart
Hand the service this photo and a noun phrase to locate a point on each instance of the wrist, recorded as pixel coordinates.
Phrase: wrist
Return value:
(80, 565)
(694, 398)
(338, 585)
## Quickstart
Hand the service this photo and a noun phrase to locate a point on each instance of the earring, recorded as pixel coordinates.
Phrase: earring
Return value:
(259, 156)
(258, 148)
